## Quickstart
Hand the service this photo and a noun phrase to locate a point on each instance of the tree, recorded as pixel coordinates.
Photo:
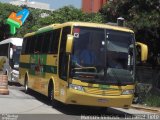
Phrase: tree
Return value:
(5, 10)
(36, 20)
(141, 15)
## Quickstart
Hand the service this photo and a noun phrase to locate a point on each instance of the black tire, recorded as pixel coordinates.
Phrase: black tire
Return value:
(26, 85)
(50, 92)
(11, 76)
(52, 101)
(6, 73)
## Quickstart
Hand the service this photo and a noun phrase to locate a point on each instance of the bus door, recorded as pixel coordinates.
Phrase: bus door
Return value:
(14, 56)
(63, 63)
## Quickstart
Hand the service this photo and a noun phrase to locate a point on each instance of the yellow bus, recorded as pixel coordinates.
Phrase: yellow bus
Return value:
(80, 63)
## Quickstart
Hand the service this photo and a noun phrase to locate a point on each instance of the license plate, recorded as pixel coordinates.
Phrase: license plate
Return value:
(102, 100)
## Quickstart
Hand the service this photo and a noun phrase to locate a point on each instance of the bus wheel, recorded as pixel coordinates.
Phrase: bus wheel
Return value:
(26, 85)
(53, 102)
(6, 73)
(11, 77)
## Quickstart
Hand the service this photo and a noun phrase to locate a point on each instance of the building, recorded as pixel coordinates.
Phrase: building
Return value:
(92, 6)
(38, 5)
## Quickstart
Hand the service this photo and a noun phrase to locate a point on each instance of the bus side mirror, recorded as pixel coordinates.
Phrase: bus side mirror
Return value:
(69, 43)
(11, 53)
(142, 51)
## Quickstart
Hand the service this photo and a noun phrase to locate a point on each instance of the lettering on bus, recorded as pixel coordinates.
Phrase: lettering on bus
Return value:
(37, 64)
(15, 20)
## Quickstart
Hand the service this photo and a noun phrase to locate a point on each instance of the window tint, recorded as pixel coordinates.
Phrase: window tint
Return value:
(24, 45)
(54, 41)
(42, 43)
(32, 44)
(39, 43)
(4, 49)
(46, 42)
(63, 59)
(28, 42)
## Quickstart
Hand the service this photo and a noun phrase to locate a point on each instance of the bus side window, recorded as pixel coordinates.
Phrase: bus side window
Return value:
(63, 59)
(32, 44)
(24, 46)
(46, 42)
(54, 41)
(28, 42)
(39, 43)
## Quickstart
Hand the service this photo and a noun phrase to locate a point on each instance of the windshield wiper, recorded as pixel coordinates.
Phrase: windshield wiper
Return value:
(116, 78)
(111, 76)
(120, 76)
(88, 73)
(88, 80)
(90, 77)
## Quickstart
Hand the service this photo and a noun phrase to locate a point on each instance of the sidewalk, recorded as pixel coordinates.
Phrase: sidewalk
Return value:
(146, 108)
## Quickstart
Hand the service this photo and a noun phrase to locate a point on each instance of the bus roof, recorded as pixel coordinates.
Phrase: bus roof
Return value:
(98, 25)
(14, 41)
(84, 24)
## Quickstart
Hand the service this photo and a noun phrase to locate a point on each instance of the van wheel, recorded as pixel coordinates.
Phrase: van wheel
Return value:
(52, 101)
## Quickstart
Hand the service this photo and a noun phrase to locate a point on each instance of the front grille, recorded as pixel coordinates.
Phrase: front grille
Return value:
(106, 92)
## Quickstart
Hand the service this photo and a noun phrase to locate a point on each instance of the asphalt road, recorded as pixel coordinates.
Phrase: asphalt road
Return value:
(34, 106)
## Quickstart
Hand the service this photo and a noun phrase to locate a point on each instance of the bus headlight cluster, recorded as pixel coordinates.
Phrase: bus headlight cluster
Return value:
(127, 92)
(76, 87)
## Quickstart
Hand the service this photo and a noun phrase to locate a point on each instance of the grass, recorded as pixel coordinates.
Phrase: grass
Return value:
(152, 100)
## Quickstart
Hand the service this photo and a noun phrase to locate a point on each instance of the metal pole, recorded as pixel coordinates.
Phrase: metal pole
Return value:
(91, 6)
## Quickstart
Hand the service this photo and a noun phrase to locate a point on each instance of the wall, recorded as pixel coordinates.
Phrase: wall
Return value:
(94, 6)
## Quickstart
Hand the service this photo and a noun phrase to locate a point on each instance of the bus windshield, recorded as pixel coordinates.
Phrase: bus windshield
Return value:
(103, 56)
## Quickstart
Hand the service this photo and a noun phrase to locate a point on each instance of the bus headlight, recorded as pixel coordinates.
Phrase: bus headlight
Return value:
(127, 92)
(76, 87)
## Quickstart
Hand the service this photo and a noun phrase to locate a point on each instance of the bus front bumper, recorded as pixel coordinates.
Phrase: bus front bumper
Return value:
(82, 98)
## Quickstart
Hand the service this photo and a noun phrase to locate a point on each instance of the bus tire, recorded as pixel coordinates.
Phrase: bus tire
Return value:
(52, 101)
(11, 77)
(26, 85)
(6, 73)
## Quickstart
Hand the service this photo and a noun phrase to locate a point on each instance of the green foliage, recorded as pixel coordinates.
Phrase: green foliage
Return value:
(152, 100)
(66, 14)
(141, 15)
(138, 13)
(36, 20)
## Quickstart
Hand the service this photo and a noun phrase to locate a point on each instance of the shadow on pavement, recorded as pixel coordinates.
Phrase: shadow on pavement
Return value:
(70, 110)
(14, 84)
(87, 110)
(77, 110)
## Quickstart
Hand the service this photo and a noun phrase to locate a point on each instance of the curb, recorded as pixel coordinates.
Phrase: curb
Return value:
(145, 108)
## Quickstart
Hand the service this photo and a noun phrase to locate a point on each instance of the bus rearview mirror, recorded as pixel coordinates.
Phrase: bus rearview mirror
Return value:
(69, 43)
(142, 50)
(11, 53)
